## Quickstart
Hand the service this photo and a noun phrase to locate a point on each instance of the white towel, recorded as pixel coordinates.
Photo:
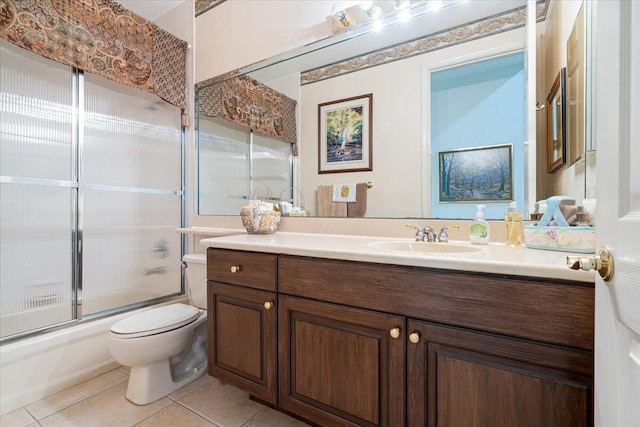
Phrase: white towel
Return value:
(344, 193)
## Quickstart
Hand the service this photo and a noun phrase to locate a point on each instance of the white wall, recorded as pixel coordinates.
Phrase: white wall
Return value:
(238, 33)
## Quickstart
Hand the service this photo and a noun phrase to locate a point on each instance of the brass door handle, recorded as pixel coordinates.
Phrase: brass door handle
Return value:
(602, 262)
(395, 333)
(268, 305)
(414, 337)
(235, 268)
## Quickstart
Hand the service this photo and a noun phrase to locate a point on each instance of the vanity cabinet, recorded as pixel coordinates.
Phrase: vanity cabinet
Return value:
(458, 377)
(242, 319)
(340, 365)
(387, 345)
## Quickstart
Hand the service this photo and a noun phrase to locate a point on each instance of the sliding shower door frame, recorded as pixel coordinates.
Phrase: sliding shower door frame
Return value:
(77, 186)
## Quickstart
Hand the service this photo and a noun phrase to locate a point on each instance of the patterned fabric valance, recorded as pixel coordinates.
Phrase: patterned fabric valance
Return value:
(100, 37)
(247, 102)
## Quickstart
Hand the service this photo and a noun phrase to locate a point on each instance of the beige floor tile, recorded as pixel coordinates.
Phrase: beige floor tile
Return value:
(106, 409)
(175, 415)
(222, 404)
(54, 403)
(271, 418)
(182, 392)
(18, 418)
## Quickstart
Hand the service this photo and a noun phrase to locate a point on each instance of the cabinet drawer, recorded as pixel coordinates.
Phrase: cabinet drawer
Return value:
(557, 312)
(251, 269)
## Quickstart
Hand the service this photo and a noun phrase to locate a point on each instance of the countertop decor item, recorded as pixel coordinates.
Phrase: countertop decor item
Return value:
(561, 237)
(259, 217)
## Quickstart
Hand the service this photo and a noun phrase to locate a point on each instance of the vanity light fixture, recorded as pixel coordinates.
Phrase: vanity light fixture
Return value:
(346, 15)
(339, 14)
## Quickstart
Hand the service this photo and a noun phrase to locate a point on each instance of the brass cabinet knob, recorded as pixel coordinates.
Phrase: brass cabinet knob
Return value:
(414, 337)
(268, 305)
(235, 268)
(395, 333)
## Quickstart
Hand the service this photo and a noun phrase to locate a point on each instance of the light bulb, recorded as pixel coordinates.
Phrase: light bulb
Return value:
(375, 12)
(401, 4)
(366, 5)
(339, 14)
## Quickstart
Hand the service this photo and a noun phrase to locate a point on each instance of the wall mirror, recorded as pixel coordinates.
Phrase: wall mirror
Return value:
(556, 122)
(575, 90)
(348, 65)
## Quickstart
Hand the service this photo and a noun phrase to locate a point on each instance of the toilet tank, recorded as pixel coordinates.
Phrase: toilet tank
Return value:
(196, 275)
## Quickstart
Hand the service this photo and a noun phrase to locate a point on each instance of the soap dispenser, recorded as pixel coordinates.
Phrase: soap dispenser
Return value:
(480, 231)
(513, 219)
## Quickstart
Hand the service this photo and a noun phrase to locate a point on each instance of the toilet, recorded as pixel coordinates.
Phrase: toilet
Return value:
(165, 347)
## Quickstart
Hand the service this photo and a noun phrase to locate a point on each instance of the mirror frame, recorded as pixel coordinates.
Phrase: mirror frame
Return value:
(556, 122)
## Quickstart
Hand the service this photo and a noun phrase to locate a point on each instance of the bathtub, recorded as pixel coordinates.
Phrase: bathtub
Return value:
(35, 367)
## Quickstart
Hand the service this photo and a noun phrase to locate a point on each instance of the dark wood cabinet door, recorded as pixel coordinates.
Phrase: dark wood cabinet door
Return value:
(458, 377)
(242, 338)
(340, 366)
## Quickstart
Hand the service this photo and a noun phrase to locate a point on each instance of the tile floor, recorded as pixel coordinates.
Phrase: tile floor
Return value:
(100, 401)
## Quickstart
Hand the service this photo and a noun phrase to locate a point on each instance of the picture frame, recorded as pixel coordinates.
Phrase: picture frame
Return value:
(556, 122)
(345, 135)
(477, 174)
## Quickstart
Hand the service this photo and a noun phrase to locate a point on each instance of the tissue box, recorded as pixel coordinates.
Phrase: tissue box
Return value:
(566, 239)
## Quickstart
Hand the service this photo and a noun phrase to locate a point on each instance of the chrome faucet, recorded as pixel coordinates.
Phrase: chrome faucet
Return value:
(443, 237)
(425, 234)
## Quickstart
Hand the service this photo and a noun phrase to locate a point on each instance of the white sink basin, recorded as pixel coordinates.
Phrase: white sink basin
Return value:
(423, 247)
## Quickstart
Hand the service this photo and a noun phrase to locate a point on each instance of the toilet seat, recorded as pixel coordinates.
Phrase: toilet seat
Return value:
(155, 321)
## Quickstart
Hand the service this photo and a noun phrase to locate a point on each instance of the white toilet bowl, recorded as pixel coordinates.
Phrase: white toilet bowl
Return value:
(164, 346)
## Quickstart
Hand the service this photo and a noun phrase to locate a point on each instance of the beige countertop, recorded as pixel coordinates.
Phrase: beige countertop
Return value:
(493, 258)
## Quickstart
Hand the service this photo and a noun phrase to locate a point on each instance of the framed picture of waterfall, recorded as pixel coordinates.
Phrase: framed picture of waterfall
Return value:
(344, 135)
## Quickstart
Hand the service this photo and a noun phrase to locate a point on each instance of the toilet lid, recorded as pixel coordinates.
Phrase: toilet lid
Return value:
(156, 320)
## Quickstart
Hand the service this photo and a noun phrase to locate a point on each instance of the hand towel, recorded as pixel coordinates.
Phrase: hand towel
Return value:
(358, 208)
(344, 193)
(327, 207)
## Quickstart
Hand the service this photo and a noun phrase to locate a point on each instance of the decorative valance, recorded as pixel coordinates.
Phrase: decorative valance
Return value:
(100, 37)
(247, 102)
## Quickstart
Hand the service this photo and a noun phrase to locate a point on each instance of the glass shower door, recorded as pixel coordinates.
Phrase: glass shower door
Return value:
(37, 192)
(131, 197)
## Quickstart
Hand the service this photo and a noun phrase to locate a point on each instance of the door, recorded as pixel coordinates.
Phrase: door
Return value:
(242, 338)
(617, 101)
(460, 377)
(340, 366)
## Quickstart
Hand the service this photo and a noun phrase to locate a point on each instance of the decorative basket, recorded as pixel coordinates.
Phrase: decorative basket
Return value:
(567, 239)
(259, 217)
(287, 205)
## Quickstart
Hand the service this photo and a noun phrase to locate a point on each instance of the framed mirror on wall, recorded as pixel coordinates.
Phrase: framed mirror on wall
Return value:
(575, 91)
(556, 123)
(357, 64)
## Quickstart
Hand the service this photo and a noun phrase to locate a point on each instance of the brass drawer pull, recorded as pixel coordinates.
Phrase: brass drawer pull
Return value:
(235, 268)
(395, 333)
(268, 305)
